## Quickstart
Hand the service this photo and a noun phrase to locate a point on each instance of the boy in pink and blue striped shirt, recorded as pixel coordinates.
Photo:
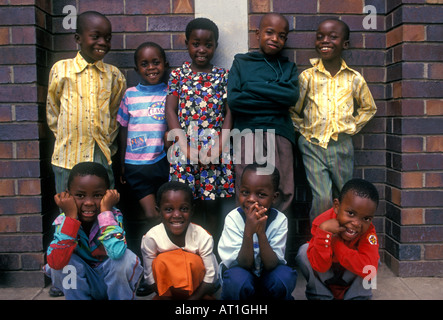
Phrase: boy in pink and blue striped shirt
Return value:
(144, 164)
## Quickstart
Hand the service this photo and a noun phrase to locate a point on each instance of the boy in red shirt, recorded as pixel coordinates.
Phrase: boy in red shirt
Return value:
(343, 253)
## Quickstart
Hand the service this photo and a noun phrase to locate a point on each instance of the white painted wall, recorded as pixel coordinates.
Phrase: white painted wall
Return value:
(231, 18)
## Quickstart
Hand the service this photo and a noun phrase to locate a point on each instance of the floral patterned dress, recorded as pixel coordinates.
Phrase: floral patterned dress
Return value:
(201, 111)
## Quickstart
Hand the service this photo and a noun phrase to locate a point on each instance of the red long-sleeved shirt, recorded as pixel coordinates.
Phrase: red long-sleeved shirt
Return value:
(324, 249)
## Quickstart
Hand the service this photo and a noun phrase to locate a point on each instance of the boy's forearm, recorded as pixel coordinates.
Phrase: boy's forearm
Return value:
(267, 254)
(245, 257)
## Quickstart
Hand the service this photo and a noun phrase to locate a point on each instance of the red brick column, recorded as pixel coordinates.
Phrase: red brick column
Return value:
(24, 43)
(414, 180)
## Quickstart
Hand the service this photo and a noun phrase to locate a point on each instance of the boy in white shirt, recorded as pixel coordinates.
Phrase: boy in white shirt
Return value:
(253, 242)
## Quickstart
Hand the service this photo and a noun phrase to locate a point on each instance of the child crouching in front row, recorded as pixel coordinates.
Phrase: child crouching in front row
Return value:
(343, 250)
(89, 238)
(178, 257)
(253, 242)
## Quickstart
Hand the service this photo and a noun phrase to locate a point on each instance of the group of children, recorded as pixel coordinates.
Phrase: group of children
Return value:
(175, 156)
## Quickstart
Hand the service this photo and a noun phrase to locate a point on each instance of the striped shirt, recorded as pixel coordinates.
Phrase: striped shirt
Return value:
(142, 110)
(326, 104)
(81, 109)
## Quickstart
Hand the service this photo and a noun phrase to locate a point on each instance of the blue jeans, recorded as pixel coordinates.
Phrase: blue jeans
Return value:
(241, 284)
(111, 280)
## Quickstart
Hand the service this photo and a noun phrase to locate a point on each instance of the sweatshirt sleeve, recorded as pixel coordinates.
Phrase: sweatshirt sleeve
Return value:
(320, 250)
(262, 97)
(149, 253)
(366, 254)
(111, 233)
(64, 243)
(206, 247)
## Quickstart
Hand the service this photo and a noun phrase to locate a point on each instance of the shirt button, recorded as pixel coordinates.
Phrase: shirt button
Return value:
(328, 236)
(326, 246)
(326, 240)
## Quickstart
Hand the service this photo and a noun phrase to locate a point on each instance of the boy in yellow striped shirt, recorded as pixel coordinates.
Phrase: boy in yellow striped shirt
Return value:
(84, 95)
(335, 103)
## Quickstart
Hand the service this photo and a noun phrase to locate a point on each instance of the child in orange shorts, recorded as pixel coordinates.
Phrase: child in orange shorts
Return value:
(178, 257)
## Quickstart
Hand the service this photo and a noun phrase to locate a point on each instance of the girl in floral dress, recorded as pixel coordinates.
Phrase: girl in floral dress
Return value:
(196, 105)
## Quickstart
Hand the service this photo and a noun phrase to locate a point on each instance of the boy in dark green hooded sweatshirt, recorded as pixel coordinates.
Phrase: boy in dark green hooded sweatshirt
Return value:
(262, 86)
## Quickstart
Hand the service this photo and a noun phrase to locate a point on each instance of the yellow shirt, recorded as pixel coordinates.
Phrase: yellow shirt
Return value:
(81, 109)
(326, 104)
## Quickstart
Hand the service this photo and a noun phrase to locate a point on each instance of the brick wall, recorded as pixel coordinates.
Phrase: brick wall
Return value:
(23, 48)
(399, 150)
(367, 55)
(414, 141)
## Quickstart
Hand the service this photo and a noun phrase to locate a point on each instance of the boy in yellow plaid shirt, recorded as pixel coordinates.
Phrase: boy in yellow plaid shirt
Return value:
(335, 103)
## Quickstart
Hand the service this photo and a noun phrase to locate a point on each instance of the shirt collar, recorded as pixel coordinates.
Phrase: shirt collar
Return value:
(318, 64)
(81, 64)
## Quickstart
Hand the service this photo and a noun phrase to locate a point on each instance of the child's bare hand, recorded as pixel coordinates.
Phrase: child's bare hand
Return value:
(332, 226)
(109, 200)
(254, 219)
(65, 201)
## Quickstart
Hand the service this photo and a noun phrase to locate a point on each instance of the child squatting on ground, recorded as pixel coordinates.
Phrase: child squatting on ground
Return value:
(90, 240)
(178, 257)
(326, 116)
(82, 103)
(253, 242)
(344, 246)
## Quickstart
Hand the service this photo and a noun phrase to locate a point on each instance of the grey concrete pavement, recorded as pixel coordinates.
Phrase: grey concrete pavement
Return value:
(389, 287)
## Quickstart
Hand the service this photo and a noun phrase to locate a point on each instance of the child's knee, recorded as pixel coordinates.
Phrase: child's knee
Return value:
(238, 284)
(280, 282)
(125, 266)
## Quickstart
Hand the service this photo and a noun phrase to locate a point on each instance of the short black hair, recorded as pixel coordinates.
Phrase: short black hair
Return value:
(83, 17)
(204, 24)
(346, 30)
(361, 188)
(149, 44)
(174, 186)
(275, 175)
(89, 169)
(275, 14)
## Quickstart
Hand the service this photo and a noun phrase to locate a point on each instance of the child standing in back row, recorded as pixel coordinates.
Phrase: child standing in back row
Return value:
(83, 98)
(143, 125)
(144, 164)
(262, 87)
(326, 116)
(197, 112)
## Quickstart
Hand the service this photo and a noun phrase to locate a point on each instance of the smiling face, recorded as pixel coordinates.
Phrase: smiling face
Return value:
(88, 192)
(95, 38)
(354, 213)
(176, 211)
(330, 40)
(150, 65)
(256, 188)
(201, 48)
(272, 34)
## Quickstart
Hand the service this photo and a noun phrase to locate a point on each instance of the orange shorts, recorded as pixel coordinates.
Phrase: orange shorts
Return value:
(178, 273)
